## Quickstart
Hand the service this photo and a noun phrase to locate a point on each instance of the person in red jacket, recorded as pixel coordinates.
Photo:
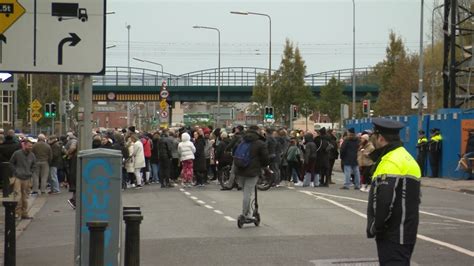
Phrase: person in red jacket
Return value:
(147, 146)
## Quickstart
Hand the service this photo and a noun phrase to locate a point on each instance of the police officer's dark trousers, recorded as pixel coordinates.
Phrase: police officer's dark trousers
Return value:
(394, 254)
(434, 162)
(421, 160)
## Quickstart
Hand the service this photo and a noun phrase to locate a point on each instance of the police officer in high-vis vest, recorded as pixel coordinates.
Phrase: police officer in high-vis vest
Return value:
(422, 148)
(434, 148)
(394, 197)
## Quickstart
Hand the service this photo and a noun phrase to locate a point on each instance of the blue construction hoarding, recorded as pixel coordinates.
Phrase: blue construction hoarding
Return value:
(453, 123)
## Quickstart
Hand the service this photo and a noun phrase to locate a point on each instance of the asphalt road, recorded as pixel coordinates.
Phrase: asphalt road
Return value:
(300, 226)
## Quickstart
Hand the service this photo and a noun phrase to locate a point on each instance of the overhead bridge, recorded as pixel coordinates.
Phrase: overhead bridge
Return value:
(139, 84)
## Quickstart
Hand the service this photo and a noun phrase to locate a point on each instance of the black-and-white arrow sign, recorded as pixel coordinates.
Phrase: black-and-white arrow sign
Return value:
(3, 39)
(74, 40)
(415, 101)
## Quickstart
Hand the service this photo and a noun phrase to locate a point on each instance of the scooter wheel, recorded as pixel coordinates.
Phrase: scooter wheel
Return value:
(240, 222)
(257, 219)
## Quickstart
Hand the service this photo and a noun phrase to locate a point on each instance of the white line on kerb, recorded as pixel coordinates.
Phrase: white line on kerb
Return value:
(423, 212)
(429, 239)
(229, 218)
(218, 212)
(182, 190)
(208, 206)
(187, 193)
(194, 198)
(200, 202)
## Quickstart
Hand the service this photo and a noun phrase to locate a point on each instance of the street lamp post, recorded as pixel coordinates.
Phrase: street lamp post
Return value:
(129, 74)
(218, 70)
(269, 95)
(353, 62)
(150, 62)
(154, 63)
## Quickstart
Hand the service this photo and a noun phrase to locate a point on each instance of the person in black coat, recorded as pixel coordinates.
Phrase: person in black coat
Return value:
(322, 162)
(349, 150)
(333, 154)
(7, 148)
(199, 163)
(164, 156)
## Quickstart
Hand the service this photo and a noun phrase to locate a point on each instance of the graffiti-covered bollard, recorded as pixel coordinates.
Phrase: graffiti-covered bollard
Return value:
(132, 239)
(10, 233)
(96, 242)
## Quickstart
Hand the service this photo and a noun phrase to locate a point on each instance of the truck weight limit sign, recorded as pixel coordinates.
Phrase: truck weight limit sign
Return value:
(52, 36)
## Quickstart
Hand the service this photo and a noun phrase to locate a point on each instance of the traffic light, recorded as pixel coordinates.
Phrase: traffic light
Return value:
(268, 112)
(295, 111)
(365, 106)
(53, 110)
(47, 110)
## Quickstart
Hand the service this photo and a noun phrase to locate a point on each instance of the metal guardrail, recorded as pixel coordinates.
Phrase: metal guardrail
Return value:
(230, 76)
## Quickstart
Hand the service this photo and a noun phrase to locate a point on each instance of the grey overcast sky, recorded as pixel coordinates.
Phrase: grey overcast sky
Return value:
(161, 31)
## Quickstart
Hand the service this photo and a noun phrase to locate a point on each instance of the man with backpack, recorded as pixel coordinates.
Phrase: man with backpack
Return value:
(250, 156)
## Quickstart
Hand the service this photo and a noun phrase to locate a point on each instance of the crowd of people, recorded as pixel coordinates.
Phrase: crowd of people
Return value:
(190, 156)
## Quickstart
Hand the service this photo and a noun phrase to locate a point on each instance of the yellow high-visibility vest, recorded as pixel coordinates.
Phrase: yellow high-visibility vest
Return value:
(398, 163)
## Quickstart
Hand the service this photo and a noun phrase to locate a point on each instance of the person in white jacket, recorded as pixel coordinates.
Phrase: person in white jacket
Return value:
(186, 152)
(138, 159)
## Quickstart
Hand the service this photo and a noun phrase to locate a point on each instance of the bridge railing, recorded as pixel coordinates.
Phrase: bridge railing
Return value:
(345, 75)
(230, 76)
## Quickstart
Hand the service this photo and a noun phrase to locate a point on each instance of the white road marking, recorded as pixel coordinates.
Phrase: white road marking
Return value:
(290, 187)
(230, 219)
(218, 212)
(187, 193)
(429, 239)
(182, 190)
(444, 244)
(194, 198)
(423, 212)
(208, 206)
(200, 202)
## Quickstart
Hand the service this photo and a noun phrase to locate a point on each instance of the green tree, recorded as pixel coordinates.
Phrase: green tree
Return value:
(332, 96)
(288, 85)
(23, 100)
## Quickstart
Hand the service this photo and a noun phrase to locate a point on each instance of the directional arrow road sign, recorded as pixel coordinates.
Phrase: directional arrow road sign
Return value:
(53, 36)
(74, 40)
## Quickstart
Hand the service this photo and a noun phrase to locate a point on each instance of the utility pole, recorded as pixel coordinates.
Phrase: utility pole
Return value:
(420, 73)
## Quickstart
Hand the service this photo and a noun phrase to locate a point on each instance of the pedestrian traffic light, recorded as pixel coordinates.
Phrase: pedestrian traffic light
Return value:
(365, 106)
(53, 110)
(47, 110)
(295, 111)
(268, 112)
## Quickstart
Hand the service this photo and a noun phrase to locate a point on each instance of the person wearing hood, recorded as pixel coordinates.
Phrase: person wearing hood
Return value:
(310, 156)
(349, 159)
(186, 152)
(248, 176)
(322, 164)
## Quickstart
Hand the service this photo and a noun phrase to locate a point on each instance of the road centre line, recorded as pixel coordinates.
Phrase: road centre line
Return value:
(428, 239)
(423, 212)
(230, 219)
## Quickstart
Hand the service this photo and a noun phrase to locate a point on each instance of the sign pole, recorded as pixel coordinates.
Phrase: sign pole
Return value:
(61, 105)
(85, 103)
